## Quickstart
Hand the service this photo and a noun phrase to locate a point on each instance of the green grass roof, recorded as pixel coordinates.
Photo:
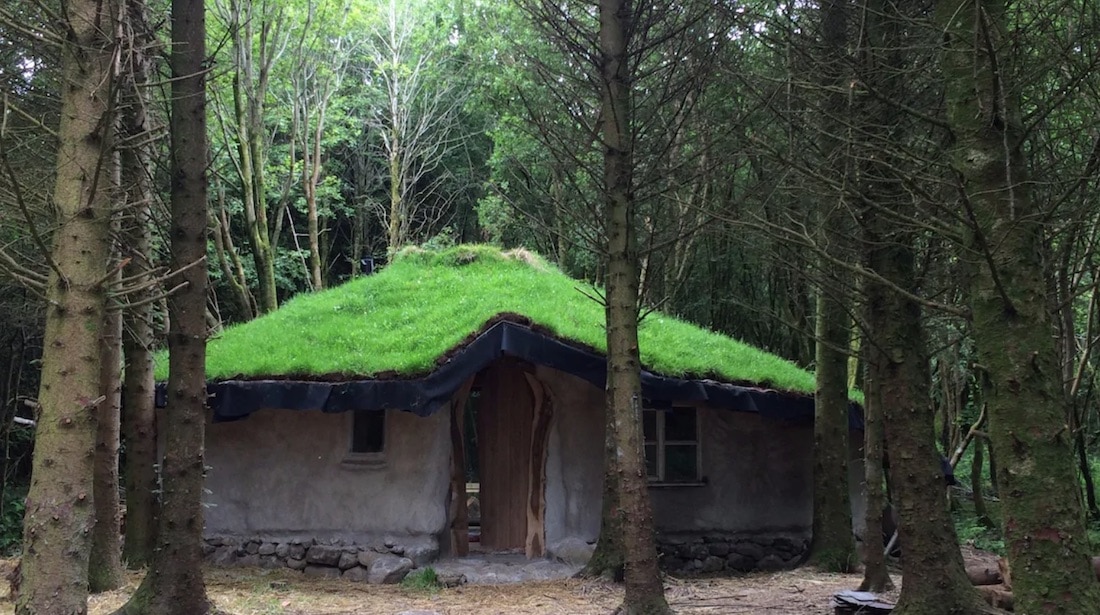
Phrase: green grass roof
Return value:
(404, 318)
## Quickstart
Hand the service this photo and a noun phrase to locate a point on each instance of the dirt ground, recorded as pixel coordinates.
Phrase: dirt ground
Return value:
(282, 592)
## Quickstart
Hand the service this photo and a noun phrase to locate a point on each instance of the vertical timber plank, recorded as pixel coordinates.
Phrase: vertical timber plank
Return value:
(535, 544)
(504, 423)
(459, 514)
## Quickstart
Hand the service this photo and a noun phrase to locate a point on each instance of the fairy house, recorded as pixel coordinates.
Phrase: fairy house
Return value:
(454, 402)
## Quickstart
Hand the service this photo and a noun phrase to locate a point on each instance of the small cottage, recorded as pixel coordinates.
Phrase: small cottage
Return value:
(454, 403)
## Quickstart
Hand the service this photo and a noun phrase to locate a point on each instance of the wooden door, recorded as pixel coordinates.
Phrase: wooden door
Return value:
(504, 425)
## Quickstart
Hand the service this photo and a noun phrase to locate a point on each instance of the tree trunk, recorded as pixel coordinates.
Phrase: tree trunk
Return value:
(933, 578)
(644, 590)
(1085, 468)
(248, 108)
(1043, 521)
(876, 577)
(174, 583)
(59, 515)
(978, 498)
(139, 430)
(832, 547)
(104, 559)
(396, 235)
(313, 226)
(230, 261)
(138, 416)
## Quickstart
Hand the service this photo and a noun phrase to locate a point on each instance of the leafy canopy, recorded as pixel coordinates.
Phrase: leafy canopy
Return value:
(404, 318)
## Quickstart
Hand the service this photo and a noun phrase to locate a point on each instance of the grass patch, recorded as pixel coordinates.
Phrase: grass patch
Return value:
(422, 580)
(425, 303)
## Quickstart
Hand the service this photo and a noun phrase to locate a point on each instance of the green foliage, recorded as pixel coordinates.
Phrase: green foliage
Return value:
(442, 240)
(971, 529)
(406, 317)
(422, 580)
(11, 520)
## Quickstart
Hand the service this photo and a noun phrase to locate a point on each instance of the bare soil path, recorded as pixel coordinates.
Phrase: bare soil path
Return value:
(250, 591)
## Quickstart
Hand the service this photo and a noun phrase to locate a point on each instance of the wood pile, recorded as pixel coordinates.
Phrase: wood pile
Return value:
(850, 602)
(994, 584)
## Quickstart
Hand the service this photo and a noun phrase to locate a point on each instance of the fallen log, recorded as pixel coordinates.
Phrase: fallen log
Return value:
(984, 575)
(997, 596)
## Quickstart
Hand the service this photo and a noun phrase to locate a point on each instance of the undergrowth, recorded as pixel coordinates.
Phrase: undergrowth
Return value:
(422, 580)
(11, 520)
(972, 530)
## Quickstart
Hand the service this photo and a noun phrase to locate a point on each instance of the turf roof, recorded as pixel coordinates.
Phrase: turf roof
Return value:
(404, 319)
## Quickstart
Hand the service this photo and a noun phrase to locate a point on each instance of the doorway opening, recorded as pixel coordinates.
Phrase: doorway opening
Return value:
(498, 475)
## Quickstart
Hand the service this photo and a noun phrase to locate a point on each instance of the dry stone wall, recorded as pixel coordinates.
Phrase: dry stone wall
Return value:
(708, 553)
(387, 562)
(684, 553)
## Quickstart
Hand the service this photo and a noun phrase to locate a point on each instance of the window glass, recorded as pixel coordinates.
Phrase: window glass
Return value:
(368, 431)
(681, 462)
(680, 425)
(671, 444)
(649, 425)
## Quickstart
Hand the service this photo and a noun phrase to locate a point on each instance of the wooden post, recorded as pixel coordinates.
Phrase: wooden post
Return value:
(459, 514)
(535, 545)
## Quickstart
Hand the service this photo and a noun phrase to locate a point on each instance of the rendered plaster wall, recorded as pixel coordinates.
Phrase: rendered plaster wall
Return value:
(758, 472)
(574, 462)
(756, 475)
(282, 474)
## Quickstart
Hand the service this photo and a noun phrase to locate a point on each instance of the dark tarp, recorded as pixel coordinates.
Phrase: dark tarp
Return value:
(231, 400)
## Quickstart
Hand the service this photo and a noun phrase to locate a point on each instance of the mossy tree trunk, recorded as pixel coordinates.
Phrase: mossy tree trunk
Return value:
(1043, 521)
(59, 509)
(934, 581)
(254, 38)
(138, 415)
(174, 583)
(645, 592)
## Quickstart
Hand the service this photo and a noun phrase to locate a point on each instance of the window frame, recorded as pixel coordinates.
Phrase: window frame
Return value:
(661, 443)
(368, 459)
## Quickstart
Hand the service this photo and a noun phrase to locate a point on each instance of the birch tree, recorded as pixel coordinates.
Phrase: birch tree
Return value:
(321, 61)
(418, 123)
(257, 38)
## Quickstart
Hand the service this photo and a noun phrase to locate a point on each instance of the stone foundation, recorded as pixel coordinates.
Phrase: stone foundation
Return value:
(385, 562)
(694, 553)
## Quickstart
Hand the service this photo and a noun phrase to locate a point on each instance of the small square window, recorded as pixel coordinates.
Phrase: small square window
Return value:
(368, 431)
(671, 444)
